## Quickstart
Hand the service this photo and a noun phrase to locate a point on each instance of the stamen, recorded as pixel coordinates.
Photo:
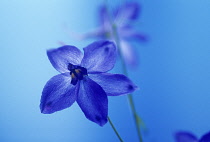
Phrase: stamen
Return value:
(76, 73)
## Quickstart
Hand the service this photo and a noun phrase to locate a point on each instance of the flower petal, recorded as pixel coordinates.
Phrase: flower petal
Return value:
(61, 57)
(114, 84)
(128, 53)
(126, 12)
(205, 138)
(57, 94)
(99, 56)
(129, 34)
(93, 101)
(103, 15)
(99, 32)
(185, 137)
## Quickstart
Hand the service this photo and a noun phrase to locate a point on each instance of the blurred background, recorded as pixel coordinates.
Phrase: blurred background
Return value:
(173, 74)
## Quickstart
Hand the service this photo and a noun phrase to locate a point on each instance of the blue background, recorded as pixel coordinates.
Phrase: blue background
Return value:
(173, 75)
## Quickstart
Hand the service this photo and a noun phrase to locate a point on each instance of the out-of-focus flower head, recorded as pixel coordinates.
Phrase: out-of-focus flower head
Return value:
(84, 79)
(122, 18)
(184, 136)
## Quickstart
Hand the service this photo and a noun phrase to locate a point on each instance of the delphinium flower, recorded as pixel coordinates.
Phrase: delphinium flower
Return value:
(122, 19)
(84, 79)
(184, 136)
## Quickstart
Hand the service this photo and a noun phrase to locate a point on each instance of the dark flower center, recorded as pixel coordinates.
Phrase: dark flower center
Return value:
(77, 73)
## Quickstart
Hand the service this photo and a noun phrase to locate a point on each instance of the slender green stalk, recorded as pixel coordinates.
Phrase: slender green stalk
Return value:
(115, 130)
(130, 98)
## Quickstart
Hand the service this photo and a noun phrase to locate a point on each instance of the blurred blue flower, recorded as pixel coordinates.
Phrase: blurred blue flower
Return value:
(183, 136)
(122, 19)
(84, 79)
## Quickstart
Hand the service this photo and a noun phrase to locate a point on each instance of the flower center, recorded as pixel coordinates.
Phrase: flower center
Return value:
(77, 73)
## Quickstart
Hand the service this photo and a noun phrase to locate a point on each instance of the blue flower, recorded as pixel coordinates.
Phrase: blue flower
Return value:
(84, 79)
(183, 136)
(122, 18)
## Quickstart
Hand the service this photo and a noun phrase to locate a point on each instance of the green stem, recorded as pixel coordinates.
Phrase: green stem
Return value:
(117, 40)
(115, 130)
(130, 97)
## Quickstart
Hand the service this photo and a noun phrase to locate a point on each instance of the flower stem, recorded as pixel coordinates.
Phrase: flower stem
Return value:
(114, 129)
(130, 98)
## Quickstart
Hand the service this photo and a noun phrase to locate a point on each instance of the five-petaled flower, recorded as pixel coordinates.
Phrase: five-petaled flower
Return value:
(122, 18)
(184, 136)
(84, 79)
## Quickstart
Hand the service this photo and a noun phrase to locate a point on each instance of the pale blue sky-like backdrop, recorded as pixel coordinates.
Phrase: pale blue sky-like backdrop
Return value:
(173, 74)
